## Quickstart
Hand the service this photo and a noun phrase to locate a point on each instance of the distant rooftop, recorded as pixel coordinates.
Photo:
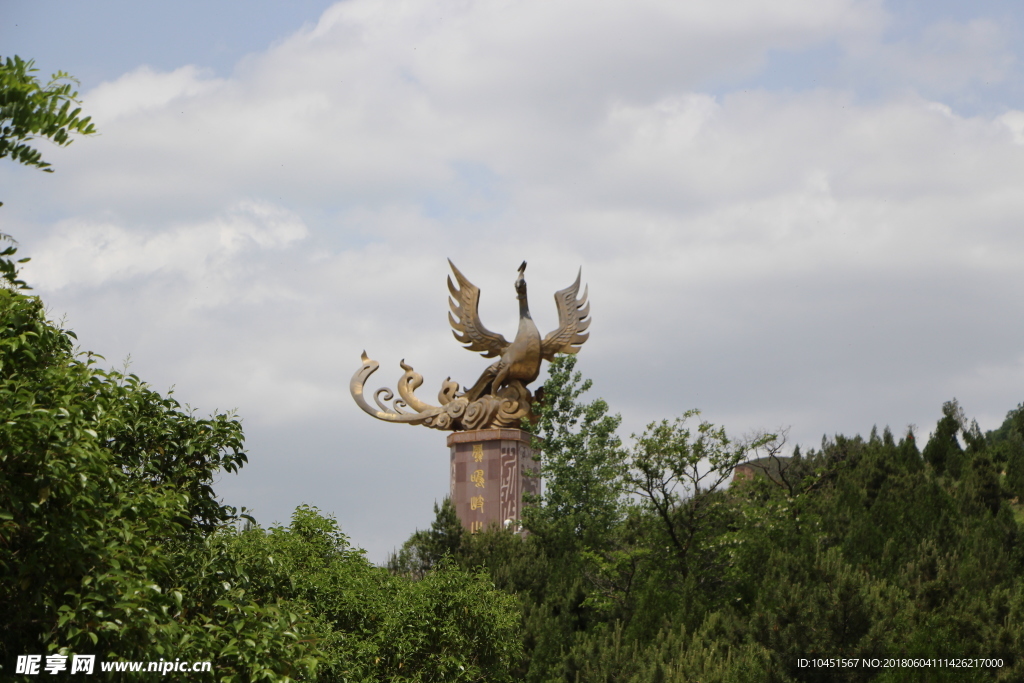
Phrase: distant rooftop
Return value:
(770, 467)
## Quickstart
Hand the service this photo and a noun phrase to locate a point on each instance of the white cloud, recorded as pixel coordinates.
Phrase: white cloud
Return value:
(1014, 121)
(379, 96)
(144, 90)
(91, 254)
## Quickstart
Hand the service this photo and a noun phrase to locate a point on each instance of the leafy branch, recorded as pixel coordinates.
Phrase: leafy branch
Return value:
(30, 110)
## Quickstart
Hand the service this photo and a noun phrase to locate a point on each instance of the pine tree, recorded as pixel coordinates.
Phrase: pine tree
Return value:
(943, 451)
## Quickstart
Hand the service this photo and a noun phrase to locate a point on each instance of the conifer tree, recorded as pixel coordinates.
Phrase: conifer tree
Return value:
(943, 451)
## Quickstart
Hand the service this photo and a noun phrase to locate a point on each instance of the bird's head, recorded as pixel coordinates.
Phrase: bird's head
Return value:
(521, 282)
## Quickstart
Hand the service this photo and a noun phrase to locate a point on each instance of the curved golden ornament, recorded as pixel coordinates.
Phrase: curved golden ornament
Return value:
(456, 413)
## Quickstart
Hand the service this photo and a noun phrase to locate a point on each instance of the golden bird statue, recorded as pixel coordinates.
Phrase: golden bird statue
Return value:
(500, 397)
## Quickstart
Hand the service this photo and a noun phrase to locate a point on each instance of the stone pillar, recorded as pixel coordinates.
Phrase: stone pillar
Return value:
(487, 475)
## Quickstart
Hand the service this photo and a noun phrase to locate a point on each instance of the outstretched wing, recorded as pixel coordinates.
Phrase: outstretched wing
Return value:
(572, 322)
(465, 304)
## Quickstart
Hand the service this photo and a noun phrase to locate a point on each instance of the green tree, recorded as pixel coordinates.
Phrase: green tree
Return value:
(425, 549)
(105, 508)
(30, 110)
(943, 450)
(581, 460)
(677, 474)
(451, 625)
(1007, 447)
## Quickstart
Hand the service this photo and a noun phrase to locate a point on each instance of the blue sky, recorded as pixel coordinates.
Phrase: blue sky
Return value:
(105, 40)
(801, 214)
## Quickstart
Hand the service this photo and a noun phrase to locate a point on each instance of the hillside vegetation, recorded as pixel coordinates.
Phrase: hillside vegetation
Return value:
(642, 565)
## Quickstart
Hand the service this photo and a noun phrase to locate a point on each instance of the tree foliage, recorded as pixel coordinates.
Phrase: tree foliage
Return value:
(30, 110)
(581, 460)
(105, 508)
(655, 565)
(426, 549)
(372, 625)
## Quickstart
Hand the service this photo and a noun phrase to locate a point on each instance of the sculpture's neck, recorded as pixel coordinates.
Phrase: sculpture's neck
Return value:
(524, 306)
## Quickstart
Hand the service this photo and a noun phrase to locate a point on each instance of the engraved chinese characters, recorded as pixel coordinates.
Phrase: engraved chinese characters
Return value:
(491, 469)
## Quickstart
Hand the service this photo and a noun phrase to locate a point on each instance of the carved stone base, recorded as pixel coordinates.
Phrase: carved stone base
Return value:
(489, 476)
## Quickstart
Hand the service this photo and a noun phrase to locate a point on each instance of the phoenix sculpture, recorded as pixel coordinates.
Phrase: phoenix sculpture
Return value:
(500, 397)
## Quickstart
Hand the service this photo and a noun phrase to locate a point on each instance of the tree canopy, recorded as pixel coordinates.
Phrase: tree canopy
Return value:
(865, 549)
